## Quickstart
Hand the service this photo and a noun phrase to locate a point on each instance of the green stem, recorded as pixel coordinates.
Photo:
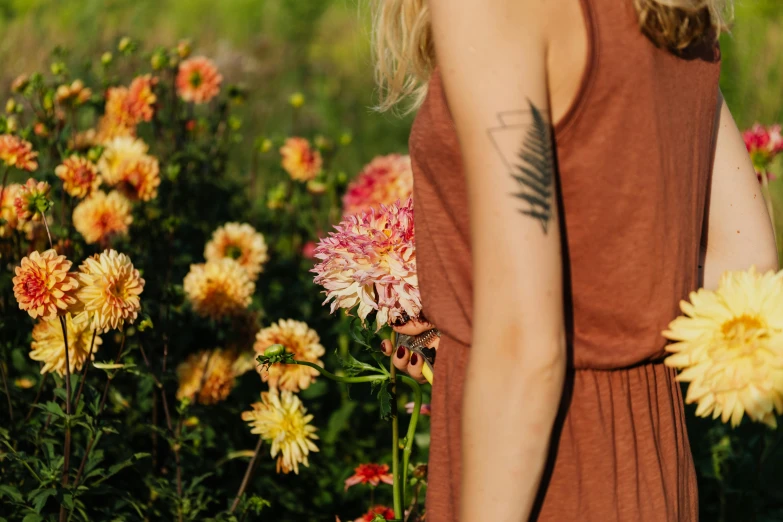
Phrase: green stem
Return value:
(346, 380)
(398, 514)
(409, 437)
(67, 442)
(24, 462)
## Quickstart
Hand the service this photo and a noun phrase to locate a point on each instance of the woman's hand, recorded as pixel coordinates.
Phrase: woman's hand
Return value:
(404, 359)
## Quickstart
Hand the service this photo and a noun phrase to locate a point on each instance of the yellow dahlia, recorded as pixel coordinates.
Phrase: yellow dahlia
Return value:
(298, 339)
(300, 160)
(198, 80)
(43, 285)
(100, 217)
(48, 346)
(241, 242)
(218, 288)
(16, 152)
(32, 200)
(729, 346)
(139, 178)
(80, 176)
(118, 151)
(109, 290)
(8, 209)
(217, 384)
(281, 419)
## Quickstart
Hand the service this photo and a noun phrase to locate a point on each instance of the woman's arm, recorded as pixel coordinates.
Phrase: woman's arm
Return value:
(492, 57)
(739, 232)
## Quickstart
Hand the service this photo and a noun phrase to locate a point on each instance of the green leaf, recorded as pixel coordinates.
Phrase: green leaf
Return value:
(54, 409)
(39, 497)
(385, 399)
(10, 491)
(354, 367)
(33, 517)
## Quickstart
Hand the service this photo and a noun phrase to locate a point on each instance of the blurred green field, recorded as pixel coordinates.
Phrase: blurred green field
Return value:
(320, 47)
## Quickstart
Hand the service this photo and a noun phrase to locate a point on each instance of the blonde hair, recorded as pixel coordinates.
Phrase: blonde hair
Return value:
(405, 54)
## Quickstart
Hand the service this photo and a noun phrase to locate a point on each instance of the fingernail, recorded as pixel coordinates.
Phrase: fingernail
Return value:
(400, 352)
(414, 359)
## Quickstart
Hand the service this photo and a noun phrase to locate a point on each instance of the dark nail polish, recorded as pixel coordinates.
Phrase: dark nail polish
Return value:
(400, 352)
(414, 359)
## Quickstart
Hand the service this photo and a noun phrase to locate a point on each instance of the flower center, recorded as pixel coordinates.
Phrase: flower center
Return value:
(195, 79)
(744, 329)
(233, 251)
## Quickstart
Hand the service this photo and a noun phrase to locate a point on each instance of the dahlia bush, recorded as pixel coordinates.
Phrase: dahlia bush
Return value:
(149, 253)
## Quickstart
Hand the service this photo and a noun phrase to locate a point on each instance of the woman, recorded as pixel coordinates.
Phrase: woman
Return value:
(570, 159)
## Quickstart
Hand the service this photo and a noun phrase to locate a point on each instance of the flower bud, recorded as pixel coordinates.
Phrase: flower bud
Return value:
(125, 45)
(106, 58)
(10, 106)
(345, 139)
(57, 68)
(158, 60)
(274, 350)
(184, 49)
(20, 83)
(297, 100)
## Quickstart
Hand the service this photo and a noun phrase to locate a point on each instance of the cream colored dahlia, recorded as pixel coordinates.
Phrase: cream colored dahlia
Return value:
(8, 209)
(217, 384)
(109, 290)
(384, 181)
(18, 153)
(300, 160)
(48, 346)
(241, 242)
(32, 200)
(370, 263)
(139, 178)
(729, 346)
(118, 151)
(80, 176)
(219, 288)
(198, 80)
(300, 340)
(282, 420)
(44, 286)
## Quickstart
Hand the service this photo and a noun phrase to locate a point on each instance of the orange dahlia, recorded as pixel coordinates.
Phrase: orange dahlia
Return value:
(211, 388)
(48, 346)
(198, 80)
(44, 286)
(372, 474)
(117, 120)
(16, 152)
(219, 288)
(300, 340)
(80, 176)
(109, 290)
(139, 178)
(118, 151)
(32, 200)
(241, 242)
(100, 217)
(141, 98)
(300, 160)
(8, 209)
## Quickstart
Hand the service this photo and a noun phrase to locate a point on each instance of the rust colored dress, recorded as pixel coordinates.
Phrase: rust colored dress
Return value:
(635, 155)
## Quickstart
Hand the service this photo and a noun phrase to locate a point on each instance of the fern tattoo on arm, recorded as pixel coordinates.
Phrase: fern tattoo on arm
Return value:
(533, 164)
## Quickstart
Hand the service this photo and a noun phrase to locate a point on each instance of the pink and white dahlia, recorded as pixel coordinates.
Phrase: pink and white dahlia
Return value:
(383, 181)
(370, 262)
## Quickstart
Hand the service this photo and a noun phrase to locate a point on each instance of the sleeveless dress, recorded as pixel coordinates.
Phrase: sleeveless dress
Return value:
(635, 155)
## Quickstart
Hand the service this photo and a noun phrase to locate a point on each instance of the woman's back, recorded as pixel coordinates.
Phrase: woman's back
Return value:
(635, 137)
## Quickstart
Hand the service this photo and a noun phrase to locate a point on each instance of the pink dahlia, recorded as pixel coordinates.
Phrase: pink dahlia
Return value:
(763, 144)
(370, 261)
(383, 181)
